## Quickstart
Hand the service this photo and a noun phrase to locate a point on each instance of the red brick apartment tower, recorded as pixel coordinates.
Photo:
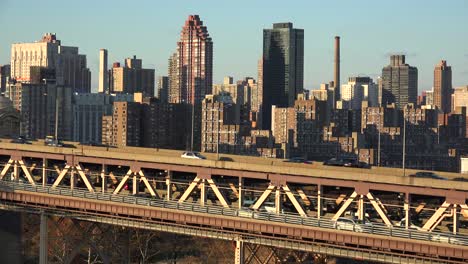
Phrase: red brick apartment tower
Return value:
(195, 62)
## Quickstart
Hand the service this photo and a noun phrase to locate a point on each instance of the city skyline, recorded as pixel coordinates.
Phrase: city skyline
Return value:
(366, 42)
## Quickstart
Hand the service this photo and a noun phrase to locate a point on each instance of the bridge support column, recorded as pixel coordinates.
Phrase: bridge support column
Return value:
(44, 172)
(169, 185)
(72, 179)
(455, 220)
(239, 254)
(278, 201)
(361, 209)
(15, 172)
(135, 184)
(241, 192)
(407, 210)
(103, 178)
(202, 193)
(43, 240)
(319, 201)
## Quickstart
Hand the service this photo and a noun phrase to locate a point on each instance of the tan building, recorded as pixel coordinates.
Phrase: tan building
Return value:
(70, 66)
(132, 78)
(123, 128)
(460, 97)
(443, 86)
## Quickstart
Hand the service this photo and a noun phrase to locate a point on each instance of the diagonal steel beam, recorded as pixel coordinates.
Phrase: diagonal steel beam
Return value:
(464, 210)
(26, 172)
(189, 189)
(234, 189)
(61, 176)
(294, 201)
(218, 193)
(122, 183)
(303, 196)
(85, 178)
(6, 168)
(33, 167)
(431, 223)
(148, 185)
(345, 206)
(379, 210)
(264, 196)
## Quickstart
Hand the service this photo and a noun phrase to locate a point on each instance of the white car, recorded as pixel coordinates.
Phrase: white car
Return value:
(343, 223)
(192, 155)
(442, 238)
(402, 224)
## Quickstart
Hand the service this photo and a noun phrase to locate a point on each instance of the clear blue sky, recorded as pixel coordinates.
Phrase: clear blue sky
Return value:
(426, 30)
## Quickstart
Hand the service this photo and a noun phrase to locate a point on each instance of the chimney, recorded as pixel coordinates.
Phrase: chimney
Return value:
(337, 69)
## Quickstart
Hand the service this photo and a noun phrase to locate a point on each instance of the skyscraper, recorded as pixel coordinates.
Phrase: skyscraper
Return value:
(4, 75)
(163, 89)
(70, 66)
(132, 78)
(336, 81)
(194, 62)
(399, 82)
(443, 86)
(103, 73)
(283, 67)
(191, 72)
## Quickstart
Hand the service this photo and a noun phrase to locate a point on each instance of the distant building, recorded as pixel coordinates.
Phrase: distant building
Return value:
(399, 82)
(37, 104)
(9, 119)
(443, 86)
(88, 110)
(430, 98)
(132, 78)
(70, 66)
(163, 89)
(4, 76)
(103, 72)
(235, 90)
(460, 97)
(283, 68)
(357, 90)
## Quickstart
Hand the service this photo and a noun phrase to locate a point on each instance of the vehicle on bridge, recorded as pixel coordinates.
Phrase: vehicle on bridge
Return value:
(53, 142)
(298, 160)
(20, 140)
(192, 155)
(349, 224)
(428, 174)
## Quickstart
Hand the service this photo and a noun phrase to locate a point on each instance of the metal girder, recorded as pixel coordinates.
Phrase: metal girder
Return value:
(303, 196)
(26, 172)
(420, 207)
(379, 209)
(345, 206)
(464, 210)
(435, 218)
(234, 190)
(113, 178)
(262, 198)
(57, 169)
(189, 190)
(148, 185)
(61, 176)
(340, 198)
(33, 167)
(218, 194)
(239, 253)
(84, 178)
(294, 201)
(6, 168)
(122, 183)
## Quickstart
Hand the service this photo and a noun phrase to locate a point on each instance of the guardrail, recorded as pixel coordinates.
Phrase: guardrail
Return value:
(374, 228)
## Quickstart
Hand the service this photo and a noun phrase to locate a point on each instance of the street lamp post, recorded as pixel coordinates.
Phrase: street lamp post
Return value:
(404, 142)
(378, 149)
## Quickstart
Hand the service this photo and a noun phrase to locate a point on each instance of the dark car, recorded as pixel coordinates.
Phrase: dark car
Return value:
(334, 162)
(299, 160)
(428, 174)
(460, 179)
(20, 140)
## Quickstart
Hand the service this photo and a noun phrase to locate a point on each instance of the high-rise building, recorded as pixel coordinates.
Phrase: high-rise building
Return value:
(88, 110)
(192, 76)
(283, 68)
(40, 105)
(336, 80)
(430, 98)
(70, 66)
(163, 89)
(235, 90)
(4, 76)
(357, 90)
(399, 82)
(132, 78)
(460, 97)
(194, 59)
(257, 98)
(10, 124)
(443, 86)
(103, 72)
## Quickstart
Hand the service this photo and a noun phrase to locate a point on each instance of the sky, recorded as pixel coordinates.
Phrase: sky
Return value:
(426, 31)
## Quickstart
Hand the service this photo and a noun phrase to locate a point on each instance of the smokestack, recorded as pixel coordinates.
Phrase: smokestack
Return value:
(337, 70)
(103, 82)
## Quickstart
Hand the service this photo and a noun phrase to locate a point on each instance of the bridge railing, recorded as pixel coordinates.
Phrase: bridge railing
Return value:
(374, 228)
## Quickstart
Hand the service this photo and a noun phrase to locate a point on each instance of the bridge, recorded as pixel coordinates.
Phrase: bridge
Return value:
(244, 199)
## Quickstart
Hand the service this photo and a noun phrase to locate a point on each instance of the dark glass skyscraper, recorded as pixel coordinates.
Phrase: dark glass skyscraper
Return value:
(399, 82)
(283, 68)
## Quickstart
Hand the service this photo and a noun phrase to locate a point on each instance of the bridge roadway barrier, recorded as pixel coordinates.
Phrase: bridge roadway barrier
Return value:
(375, 236)
(387, 179)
